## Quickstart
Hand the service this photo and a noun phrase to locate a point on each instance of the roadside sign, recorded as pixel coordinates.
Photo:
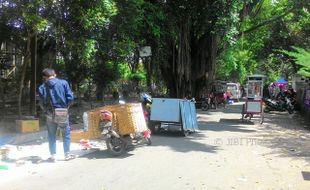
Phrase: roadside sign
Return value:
(145, 51)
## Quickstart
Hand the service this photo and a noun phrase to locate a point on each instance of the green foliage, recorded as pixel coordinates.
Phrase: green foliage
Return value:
(105, 73)
(138, 76)
(78, 27)
(227, 19)
(154, 16)
(257, 51)
(124, 71)
(236, 64)
(98, 14)
(124, 47)
(302, 58)
(97, 39)
(273, 70)
(239, 60)
(89, 49)
(23, 18)
(126, 74)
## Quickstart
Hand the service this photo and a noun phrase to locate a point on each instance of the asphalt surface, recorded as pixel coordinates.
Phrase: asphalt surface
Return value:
(226, 153)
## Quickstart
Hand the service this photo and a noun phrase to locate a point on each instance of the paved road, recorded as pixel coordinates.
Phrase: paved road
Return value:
(225, 154)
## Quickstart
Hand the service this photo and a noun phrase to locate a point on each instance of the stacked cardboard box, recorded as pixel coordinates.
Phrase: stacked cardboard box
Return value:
(27, 126)
(127, 118)
(93, 131)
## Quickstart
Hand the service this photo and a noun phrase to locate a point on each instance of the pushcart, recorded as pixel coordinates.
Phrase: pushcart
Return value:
(173, 115)
(253, 104)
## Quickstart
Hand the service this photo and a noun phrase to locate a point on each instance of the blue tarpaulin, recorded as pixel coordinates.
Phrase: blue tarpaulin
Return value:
(280, 81)
(188, 115)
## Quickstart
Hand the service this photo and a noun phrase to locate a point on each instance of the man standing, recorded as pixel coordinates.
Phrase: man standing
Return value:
(55, 93)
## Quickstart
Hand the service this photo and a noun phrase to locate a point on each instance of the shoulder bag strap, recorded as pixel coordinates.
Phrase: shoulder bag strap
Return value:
(49, 100)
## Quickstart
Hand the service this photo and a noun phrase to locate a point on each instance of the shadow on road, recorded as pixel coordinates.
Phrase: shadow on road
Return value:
(190, 143)
(174, 141)
(286, 135)
(285, 142)
(231, 125)
(306, 175)
(104, 154)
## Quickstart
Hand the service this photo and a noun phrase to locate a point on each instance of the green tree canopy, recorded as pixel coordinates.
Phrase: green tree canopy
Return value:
(302, 59)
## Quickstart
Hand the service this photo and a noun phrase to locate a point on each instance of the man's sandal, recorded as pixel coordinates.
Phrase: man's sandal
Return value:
(69, 157)
(51, 159)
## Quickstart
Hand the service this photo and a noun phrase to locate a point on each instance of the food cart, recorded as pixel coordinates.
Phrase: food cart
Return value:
(173, 115)
(254, 103)
(234, 89)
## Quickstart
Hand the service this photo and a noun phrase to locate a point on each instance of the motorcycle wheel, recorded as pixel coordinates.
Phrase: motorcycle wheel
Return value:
(266, 110)
(116, 146)
(290, 110)
(148, 141)
(205, 107)
(215, 104)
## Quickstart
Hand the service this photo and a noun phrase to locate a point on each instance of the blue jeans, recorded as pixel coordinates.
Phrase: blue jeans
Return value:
(51, 131)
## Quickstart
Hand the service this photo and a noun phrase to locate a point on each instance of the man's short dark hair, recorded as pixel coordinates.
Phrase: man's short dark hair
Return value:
(47, 72)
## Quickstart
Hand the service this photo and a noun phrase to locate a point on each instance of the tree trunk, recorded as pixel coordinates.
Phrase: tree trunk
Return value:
(2, 85)
(193, 69)
(22, 76)
(99, 92)
(204, 59)
(183, 62)
(149, 72)
(2, 97)
(33, 77)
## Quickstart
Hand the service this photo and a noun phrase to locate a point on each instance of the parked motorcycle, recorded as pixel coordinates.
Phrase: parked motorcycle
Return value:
(209, 102)
(278, 105)
(213, 101)
(117, 144)
(205, 104)
(292, 96)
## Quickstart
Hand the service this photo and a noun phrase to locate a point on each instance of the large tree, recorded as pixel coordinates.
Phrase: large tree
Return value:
(188, 40)
(266, 26)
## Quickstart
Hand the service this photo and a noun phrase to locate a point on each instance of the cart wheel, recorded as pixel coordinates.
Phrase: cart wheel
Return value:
(155, 127)
(250, 116)
(185, 133)
(261, 118)
(242, 113)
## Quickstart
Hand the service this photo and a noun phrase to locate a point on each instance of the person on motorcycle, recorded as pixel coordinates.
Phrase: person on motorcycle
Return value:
(281, 97)
(146, 100)
(228, 96)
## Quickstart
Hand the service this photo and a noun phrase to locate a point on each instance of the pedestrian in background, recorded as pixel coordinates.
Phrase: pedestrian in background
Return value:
(55, 93)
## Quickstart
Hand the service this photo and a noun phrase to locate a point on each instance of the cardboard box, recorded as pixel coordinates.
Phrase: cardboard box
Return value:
(77, 135)
(27, 126)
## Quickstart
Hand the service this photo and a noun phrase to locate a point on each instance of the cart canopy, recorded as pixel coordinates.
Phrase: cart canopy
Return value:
(280, 81)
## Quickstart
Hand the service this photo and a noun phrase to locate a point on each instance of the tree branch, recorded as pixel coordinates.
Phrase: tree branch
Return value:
(266, 22)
